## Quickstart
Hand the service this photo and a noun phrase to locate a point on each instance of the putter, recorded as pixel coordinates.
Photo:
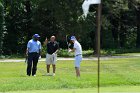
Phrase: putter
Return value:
(68, 44)
(53, 57)
(25, 63)
(42, 71)
(26, 59)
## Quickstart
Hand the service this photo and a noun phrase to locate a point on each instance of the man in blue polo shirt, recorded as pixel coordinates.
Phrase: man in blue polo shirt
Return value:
(33, 52)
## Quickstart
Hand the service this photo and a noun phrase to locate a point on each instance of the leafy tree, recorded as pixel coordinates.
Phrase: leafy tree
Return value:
(20, 19)
(1, 26)
(135, 5)
(15, 21)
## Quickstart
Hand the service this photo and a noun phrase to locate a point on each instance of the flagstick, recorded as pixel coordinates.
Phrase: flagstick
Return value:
(98, 43)
(85, 7)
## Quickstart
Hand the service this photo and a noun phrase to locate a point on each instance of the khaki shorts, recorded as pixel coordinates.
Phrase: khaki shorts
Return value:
(51, 59)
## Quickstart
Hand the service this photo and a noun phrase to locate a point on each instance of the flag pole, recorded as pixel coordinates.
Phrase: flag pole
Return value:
(98, 43)
(85, 7)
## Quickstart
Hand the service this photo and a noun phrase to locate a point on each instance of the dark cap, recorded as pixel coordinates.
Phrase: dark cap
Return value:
(36, 36)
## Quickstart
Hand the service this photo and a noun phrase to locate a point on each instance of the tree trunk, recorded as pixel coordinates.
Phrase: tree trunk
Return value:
(122, 33)
(28, 18)
(122, 36)
(115, 32)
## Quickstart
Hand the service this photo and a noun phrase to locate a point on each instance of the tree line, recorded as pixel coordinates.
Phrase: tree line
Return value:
(20, 19)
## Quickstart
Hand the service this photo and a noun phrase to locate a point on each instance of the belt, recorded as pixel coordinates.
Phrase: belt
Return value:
(78, 54)
(50, 53)
(33, 53)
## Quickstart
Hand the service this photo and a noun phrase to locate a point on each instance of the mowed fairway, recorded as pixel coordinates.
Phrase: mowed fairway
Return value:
(117, 75)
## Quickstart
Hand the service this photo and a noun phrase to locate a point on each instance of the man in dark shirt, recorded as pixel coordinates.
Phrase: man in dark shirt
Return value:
(51, 56)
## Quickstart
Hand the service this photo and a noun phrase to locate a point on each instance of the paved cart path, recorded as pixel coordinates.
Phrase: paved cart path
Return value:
(62, 58)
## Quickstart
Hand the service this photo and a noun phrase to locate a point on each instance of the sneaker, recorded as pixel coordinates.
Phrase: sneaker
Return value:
(28, 75)
(34, 75)
(53, 74)
(48, 74)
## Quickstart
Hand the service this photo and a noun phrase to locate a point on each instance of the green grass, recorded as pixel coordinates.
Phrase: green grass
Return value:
(126, 89)
(128, 54)
(117, 75)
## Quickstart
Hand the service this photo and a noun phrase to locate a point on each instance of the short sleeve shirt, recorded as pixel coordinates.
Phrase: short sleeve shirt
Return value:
(33, 46)
(78, 48)
(52, 47)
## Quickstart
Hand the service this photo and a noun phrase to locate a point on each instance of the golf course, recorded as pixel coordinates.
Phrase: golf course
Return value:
(119, 75)
(69, 46)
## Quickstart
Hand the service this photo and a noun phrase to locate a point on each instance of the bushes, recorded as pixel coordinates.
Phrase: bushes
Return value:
(61, 52)
(65, 53)
(86, 53)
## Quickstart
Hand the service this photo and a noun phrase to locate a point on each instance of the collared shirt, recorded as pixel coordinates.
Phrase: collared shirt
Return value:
(33, 46)
(52, 47)
(78, 48)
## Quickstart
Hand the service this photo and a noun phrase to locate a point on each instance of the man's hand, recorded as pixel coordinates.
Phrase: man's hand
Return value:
(26, 56)
(39, 57)
(69, 50)
(27, 52)
(46, 41)
(54, 54)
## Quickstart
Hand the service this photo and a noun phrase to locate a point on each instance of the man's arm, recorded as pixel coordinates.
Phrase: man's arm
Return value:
(40, 47)
(27, 50)
(46, 41)
(72, 50)
(26, 55)
(39, 52)
(57, 49)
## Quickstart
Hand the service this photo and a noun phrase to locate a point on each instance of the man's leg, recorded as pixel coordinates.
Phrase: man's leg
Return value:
(54, 68)
(77, 69)
(78, 60)
(48, 68)
(54, 58)
(48, 63)
(29, 64)
(35, 61)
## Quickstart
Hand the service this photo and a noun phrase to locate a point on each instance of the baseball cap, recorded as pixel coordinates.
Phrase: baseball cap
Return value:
(73, 38)
(36, 36)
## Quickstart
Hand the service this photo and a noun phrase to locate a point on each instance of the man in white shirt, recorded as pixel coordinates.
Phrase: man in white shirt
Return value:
(78, 54)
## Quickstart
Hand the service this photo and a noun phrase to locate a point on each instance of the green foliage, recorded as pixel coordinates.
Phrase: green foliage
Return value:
(15, 23)
(65, 53)
(1, 26)
(23, 18)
